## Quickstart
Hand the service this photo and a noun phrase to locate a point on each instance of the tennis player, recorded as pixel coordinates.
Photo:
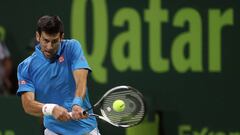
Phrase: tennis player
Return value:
(53, 82)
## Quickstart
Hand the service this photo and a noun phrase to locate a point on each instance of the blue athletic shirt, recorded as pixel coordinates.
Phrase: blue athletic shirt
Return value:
(52, 81)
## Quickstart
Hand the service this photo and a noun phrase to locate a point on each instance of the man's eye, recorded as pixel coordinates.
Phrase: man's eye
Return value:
(54, 41)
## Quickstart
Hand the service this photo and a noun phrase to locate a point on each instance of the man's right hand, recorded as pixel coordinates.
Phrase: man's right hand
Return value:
(61, 113)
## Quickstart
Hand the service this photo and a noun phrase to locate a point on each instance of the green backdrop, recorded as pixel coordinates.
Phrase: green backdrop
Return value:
(181, 54)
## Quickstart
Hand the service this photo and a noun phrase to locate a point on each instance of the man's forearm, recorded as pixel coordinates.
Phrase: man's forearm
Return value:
(80, 77)
(31, 106)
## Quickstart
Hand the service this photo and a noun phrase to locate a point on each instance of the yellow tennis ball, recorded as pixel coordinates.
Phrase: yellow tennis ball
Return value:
(118, 105)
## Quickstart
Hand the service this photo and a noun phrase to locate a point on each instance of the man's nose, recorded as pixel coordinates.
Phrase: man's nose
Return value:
(49, 46)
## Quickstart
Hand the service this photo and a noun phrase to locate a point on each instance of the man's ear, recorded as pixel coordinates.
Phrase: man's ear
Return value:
(37, 36)
(62, 36)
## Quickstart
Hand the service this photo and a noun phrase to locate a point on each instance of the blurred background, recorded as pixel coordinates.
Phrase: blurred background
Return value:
(182, 55)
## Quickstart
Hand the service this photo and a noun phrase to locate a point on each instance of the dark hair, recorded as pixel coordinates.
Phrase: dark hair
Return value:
(50, 25)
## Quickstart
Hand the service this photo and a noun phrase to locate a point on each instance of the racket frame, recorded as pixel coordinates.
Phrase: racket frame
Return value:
(104, 116)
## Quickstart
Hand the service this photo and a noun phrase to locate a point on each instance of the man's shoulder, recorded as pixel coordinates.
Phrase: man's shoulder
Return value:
(71, 42)
(26, 62)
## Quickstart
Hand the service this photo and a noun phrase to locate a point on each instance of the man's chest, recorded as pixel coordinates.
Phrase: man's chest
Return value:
(51, 74)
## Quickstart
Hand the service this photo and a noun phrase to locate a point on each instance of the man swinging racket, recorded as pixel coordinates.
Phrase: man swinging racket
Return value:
(53, 82)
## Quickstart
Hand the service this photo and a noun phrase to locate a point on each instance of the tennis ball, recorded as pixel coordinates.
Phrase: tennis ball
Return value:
(118, 105)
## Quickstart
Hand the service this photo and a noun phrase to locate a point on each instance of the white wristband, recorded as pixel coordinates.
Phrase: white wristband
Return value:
(47, 109)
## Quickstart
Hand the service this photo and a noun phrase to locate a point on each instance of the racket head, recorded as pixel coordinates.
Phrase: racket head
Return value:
(135, 106)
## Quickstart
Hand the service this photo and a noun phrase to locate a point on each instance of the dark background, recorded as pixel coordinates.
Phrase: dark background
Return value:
(199, 99)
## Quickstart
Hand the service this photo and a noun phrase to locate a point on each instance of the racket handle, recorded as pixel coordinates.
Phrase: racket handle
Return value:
(84, 113)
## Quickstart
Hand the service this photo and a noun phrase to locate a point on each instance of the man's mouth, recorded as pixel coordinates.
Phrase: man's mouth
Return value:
(48, 54)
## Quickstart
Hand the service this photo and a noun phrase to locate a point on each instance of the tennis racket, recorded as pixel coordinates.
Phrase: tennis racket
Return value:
(134, 110)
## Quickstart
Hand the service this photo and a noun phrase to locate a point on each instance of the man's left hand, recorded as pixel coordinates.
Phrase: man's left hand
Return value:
(77, 113)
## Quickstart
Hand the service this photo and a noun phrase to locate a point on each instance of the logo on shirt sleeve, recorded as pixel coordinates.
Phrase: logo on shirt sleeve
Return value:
(22, 82)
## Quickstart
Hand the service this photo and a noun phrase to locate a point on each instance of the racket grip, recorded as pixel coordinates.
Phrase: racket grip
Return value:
(84, 113)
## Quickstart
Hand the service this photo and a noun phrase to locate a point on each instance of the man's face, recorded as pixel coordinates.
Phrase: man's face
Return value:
(49, 43)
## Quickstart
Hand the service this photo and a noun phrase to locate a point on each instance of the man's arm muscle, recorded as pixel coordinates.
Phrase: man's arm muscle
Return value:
(30, 105)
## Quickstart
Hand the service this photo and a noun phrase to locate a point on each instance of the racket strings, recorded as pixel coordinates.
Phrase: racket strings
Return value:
(134, 107)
